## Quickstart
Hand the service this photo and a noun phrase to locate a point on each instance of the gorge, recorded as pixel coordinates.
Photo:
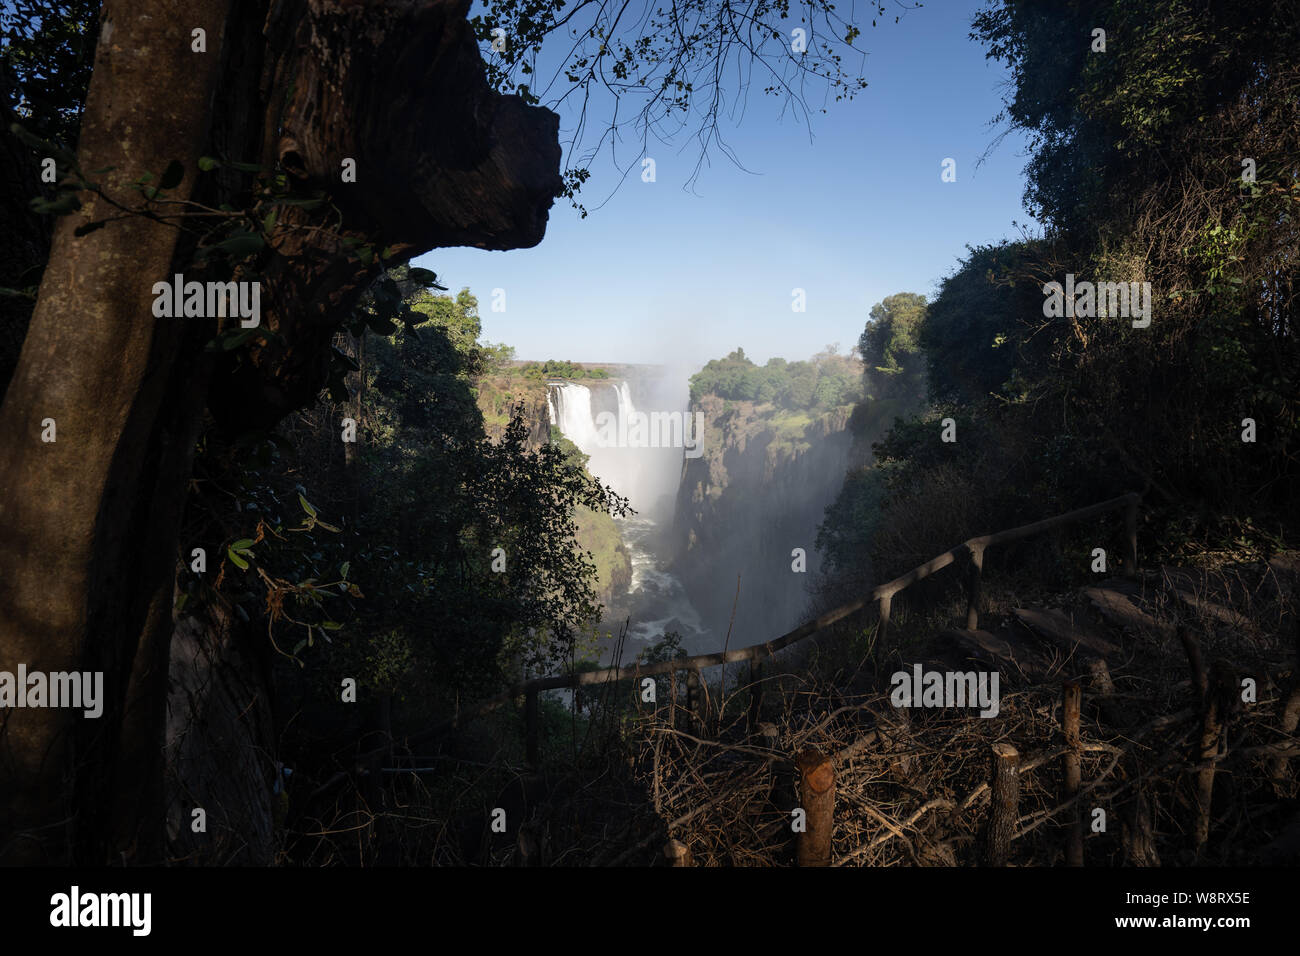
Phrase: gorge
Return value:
(740, 496)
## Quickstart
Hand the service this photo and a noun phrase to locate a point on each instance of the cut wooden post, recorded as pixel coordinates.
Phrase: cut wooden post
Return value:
(1193, 651)
(885, 601)
(1288, 720)
(1073, 774)
(1131, 535)
(817, 798)
(755, 697)
(677, 853)
(973, 575)
(1141, 841)
(1214, 719)
(779, 790)
(1005, 813)
(693, 700)
(532, 725)
(526, 848)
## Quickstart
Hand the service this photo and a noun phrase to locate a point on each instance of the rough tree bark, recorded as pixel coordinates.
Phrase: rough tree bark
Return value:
(90, 522)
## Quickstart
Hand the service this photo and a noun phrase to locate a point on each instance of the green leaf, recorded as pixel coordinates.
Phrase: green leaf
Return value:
(299, 646)
(61, 205)
(208, 163)
(242, 544)
(343, 571)
(172, 175)
(331, 625)
(327, 527)
(237, 560)
(233, 340)
(240, 245)
(268, 224)
(306, 506)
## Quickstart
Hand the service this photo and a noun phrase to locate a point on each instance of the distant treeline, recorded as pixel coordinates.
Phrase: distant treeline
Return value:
(553, 368)
(826, 381)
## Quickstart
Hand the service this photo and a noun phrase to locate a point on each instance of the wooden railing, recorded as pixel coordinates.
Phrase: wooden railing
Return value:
(972, 549)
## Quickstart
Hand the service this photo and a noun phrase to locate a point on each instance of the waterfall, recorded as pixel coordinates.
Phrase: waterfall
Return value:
(598, 421)
(625, 406)
(648, 476)
(572, 413)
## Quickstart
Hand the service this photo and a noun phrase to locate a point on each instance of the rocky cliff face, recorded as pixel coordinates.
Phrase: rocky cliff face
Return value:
(497, 396)
(756, 494)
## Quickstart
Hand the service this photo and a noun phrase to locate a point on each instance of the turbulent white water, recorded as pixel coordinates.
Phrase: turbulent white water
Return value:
(571, 411)
(596, 420)
(648, 477)
(658, 600)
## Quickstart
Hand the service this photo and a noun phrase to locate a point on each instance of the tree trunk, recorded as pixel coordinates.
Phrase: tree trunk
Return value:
(88, 517)
(90, 521)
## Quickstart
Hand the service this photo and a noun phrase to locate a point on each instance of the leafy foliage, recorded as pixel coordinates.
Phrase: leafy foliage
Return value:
(894, 365)
(553, 369)
(827, 381)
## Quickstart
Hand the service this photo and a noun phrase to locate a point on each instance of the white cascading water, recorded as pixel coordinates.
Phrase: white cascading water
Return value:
(571, 411)
(657, 601)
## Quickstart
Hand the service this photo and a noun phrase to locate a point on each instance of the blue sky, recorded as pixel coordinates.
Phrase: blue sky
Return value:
(667, 274)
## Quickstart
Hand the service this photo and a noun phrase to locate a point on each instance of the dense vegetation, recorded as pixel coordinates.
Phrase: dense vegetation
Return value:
(1139, 173)
(554, 368)
(425, 559)
(389, 530)
(826, 381)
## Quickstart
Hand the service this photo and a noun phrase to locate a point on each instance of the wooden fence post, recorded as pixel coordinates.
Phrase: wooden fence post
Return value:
(1005, 812)
(672, 699)
(693, 700)
(885, 601)
(677, 853)
(1131, 535)
(532, 724)
(1215, 715)
(526, 846)
(1288, 720)
(780, 792)
(755, 697)
(1073, 774)
(973, 575)
(817, 797)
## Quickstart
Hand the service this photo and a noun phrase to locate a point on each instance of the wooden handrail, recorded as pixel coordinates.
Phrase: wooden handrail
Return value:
(972, 547)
